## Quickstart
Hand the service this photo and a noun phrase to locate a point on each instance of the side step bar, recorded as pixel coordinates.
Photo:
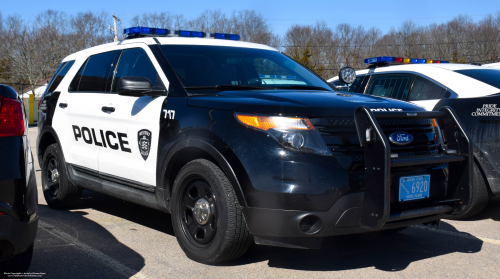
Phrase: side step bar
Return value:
(378, 162)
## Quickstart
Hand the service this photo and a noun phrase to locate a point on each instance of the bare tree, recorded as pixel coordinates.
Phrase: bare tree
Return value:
(89, 29)
(160, 20)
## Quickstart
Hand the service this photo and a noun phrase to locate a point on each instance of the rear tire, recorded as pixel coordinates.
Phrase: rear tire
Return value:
(19, 263)
(221, 234)
(480, 195)
(58, 191)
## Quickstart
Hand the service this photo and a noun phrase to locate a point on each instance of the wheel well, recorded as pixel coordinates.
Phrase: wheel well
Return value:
(46, 140)
(181, 158)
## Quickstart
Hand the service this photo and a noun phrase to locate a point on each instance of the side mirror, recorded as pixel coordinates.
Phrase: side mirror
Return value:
(137, 86)
(347, 75)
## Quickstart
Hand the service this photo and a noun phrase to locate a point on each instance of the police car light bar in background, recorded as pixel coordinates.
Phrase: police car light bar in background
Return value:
(138, 31)
(400, 60)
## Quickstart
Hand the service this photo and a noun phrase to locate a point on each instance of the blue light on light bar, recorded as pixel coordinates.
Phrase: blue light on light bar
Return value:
(421, 60)
(234, 37)
(183, 33)
(161, 32)
(220, 36)
(443, 61)
(144, 31)
(380, 59)
(196, 34)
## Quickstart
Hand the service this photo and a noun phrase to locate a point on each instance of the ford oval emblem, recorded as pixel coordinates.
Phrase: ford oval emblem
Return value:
(401, 138)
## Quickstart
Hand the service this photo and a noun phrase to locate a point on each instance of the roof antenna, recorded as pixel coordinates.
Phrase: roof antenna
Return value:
(115, 19)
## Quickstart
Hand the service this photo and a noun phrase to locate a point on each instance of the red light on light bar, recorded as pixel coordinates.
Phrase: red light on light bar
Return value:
(399, 60)
(436, 61)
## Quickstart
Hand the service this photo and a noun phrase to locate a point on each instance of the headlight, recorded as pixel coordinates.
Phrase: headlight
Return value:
(294, 134)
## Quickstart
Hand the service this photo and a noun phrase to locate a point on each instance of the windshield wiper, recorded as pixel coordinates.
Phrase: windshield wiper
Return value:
(303, 87)
(224, 87)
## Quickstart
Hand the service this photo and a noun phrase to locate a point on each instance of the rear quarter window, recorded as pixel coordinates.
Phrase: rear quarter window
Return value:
(488, 76)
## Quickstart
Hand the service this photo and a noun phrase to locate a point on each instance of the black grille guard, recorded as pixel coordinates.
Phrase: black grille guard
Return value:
(378, 161)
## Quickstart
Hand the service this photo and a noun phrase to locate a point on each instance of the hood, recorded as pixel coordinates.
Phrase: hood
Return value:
(297, 103)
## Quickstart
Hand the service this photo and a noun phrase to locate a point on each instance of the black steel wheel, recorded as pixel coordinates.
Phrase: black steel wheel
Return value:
(206, 215)
(52, 176)
(58, 191)
(198, 211)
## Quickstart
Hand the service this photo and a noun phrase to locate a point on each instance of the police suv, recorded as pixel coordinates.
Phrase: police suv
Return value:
(472, 91)
(240, 143)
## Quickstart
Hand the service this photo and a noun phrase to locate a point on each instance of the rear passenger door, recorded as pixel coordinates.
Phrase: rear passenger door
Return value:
(132, 122)
(75, 119)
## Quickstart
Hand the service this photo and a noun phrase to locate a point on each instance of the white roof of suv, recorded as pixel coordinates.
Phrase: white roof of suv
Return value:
(464, 86)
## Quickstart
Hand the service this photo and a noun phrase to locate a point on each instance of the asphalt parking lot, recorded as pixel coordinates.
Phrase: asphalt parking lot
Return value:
(108, 238)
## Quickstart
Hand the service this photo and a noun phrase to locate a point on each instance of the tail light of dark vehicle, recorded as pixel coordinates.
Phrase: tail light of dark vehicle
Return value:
(11, 118)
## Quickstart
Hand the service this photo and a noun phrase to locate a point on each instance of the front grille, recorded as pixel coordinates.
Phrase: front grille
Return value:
(341, 137)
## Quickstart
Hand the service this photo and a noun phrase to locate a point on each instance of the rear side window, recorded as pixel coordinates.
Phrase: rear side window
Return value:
(488, 76)
(58, 76)
(135, 62)
(395, 86)
(424, 89)
(95, 73)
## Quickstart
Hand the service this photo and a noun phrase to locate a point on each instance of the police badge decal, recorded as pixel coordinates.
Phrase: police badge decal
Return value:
(144, 141)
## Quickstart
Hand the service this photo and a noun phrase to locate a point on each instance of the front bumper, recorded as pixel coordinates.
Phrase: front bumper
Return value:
(375, 208)
(16, 236)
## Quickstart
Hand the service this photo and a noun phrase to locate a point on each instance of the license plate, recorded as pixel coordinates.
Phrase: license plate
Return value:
(414, 187)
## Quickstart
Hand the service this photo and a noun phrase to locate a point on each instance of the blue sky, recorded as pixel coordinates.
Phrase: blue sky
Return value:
(280, 14)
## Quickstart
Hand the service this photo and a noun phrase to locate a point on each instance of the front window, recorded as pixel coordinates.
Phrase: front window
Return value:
(488, 76)
(209, 69)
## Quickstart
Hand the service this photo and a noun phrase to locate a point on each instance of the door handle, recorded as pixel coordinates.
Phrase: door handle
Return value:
(108, 109)
(63, 105)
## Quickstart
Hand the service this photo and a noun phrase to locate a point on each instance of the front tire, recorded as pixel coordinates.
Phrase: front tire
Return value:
(58, 191)
(480, 195)
(206, 216)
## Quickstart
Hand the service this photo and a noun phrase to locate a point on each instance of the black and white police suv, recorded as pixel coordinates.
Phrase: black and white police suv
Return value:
(241, 143)
(472, 91)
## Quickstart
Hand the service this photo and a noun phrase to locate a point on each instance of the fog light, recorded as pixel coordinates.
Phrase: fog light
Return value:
(293, 140)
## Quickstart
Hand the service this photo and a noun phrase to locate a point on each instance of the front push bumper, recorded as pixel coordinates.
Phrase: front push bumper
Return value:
(370, 209)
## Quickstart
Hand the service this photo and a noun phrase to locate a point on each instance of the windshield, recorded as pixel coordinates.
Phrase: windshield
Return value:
(488, 76)
(215, 68)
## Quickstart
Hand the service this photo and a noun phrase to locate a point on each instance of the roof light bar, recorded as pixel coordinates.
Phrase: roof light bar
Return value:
(144, 31)
(134, 32)
(397, 60)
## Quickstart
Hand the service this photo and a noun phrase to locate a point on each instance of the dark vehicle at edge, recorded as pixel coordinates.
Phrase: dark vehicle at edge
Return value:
(18, 193)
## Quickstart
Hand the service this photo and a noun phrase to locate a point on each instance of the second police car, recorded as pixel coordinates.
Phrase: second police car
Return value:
(472, 91)
(240, 143)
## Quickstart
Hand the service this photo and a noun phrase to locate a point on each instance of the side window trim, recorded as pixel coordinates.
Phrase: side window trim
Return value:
(111, 75)
(82, 69)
